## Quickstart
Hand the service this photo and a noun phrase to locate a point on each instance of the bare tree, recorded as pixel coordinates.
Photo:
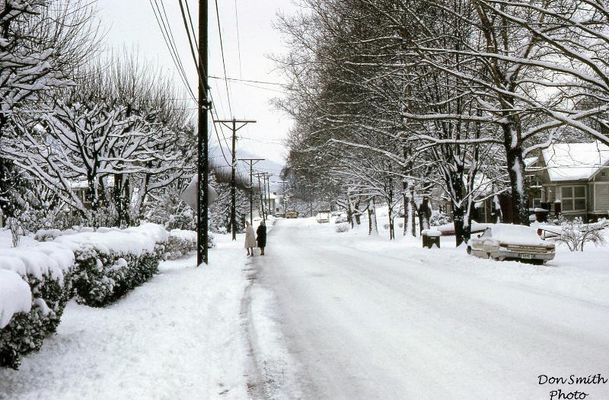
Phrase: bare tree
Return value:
(42, 42)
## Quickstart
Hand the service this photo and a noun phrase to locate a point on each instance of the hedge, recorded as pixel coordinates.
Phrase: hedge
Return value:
(38, 279)
(111, 262)
(46, 269)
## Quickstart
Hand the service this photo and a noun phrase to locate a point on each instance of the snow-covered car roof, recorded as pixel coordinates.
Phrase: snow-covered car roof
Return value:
(516, 234)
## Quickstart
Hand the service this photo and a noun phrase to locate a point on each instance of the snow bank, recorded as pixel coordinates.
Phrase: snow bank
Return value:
(15, 296)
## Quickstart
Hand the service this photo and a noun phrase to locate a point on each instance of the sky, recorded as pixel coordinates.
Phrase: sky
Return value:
(131, 25)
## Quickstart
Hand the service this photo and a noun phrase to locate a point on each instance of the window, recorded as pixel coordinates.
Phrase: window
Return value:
(573, 198)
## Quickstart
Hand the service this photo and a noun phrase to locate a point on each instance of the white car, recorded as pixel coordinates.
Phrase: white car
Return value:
(511, 242)
(323, 217)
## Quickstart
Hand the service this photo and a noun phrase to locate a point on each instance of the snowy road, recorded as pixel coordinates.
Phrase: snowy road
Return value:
(368, 321)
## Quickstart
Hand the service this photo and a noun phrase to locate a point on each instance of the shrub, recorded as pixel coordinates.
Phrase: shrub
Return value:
(102, 278)
(180, 243)
(343, 227)
(575, 234)
(111, 261)
(439, 218)
(46, 273)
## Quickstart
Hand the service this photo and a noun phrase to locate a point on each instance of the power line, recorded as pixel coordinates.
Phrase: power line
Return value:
(249, 81)
(238, 39)
(171, 47)
(189, 27)
(193, 49)
(223, 57)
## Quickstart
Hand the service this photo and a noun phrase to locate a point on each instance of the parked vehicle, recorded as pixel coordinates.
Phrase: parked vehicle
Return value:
(511, 242)
(291, 214)
(323, 217)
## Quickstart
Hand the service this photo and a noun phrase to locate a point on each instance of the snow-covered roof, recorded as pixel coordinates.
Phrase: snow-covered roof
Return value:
(83, 184)
(530, 161)
(575, 161)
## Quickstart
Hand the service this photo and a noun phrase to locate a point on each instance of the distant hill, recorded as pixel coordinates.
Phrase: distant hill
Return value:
(221, 162)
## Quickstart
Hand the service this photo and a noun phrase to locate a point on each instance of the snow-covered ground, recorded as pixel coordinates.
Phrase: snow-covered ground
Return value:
(365, 318)
(327, 315)
(179, 336)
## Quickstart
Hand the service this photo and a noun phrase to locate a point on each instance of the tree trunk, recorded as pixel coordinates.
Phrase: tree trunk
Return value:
(519, 198)
(458, 216)
(349, 212)
(390, 210)
(424, 215)
(406, 202)
(369, 220)
(412, 213)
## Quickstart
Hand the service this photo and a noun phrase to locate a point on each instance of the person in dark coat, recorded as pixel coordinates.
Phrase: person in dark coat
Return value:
(261, 236)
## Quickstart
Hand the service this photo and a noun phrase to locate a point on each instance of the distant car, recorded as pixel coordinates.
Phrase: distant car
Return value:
(511, 242)
(323, 217)
(291, 214)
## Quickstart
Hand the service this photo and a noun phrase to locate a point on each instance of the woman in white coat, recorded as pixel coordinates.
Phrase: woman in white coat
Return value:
(250, 239)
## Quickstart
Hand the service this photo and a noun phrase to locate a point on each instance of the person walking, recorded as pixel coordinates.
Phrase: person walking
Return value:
(250, 239)
(261, 232)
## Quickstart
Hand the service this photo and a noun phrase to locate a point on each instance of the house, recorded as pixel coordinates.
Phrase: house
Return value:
(571, 179)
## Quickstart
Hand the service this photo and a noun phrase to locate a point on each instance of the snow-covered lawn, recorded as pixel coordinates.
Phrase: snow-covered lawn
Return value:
(179, 336)
(583, 275)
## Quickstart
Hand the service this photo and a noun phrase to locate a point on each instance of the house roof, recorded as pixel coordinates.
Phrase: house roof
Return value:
(530, 161)
(575, 161)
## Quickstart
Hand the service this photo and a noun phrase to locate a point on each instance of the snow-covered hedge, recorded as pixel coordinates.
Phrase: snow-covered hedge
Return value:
(343, 227)
(180, 243)
(35, 285)
(110, 262)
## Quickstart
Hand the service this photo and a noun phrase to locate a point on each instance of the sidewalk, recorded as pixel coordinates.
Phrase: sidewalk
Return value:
(179, 336)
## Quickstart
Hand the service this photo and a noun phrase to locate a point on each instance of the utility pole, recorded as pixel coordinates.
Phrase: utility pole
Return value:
(267, 176)
(262, 193)
(232, 125)
(251, 162)
(202, 147)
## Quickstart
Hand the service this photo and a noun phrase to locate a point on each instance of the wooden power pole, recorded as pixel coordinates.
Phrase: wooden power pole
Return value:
(232, 125)
(202, 147)
(251, 162)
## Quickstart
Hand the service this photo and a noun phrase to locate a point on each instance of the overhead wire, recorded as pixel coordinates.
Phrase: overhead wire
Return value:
(171, 47)
(194, 48)
(248, 81)
(238, 39)
(223, 56)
